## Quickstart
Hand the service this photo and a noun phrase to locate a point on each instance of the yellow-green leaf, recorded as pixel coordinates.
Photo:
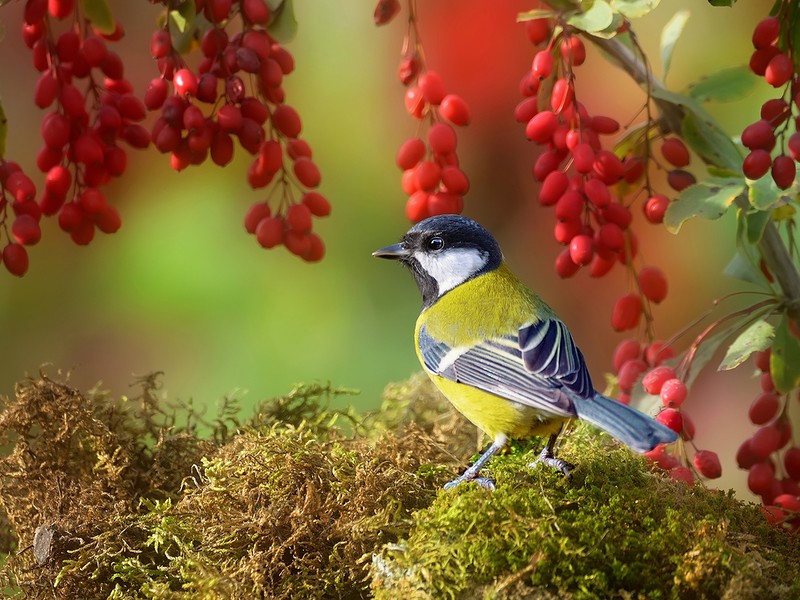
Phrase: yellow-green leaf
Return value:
(705, 137)
(633, 9)
(669, 37)
(536, 13)
(784, 363)
(98, 12)
(282, 25)
(755, 338)
(596, 18)
(709, 199)
(725, 85)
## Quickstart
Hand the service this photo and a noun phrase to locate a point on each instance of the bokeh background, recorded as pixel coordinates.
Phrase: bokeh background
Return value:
(182, 289)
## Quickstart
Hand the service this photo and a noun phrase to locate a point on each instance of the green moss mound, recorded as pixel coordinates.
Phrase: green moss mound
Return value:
(135, 498)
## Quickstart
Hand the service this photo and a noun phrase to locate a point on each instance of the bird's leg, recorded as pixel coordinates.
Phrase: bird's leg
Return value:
(547, 456)
(471, 474)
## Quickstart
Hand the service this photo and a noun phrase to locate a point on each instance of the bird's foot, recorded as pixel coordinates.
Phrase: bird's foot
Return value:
(484, 482)
(546, 457)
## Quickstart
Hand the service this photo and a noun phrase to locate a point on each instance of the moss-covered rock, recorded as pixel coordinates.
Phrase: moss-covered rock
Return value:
(130, 498)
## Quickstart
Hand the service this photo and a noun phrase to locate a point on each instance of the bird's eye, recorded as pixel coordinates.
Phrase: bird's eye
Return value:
(435, 243)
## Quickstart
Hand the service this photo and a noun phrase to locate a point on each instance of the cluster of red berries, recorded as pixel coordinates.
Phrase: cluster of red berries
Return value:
(773, 466)
(92, 109)
(773, 59)
(579, 176)
(237, 92)
(432, 179)
(633, 363)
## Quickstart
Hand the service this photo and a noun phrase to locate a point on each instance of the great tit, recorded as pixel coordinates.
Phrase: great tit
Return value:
(499, 353)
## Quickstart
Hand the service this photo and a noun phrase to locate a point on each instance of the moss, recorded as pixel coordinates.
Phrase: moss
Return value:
(134, 498)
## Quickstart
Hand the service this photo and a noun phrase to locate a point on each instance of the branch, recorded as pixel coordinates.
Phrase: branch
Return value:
(772, 248)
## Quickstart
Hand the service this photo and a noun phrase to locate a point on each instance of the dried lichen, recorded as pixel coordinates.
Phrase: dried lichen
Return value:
(131, 498)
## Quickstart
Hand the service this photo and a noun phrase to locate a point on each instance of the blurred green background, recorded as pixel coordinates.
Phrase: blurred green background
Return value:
(182, 289)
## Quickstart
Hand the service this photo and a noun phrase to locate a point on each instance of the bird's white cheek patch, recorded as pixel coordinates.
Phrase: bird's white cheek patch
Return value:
(452, 267)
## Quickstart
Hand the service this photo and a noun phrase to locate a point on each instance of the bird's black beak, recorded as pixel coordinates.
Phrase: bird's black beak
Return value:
(395, 252)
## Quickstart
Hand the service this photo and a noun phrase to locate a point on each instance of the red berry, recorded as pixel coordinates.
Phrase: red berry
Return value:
(417, 206)
(307, 172)
(655, 208)
(629, 374)
(254, 215)
(525, 110)
(455, 181)
(229, 118)
(791, 462)
(565, 266)
(415, 102)
(583, 158)
(683, 474)
(561, 95)
(662, 458)
(541, 127)
(756, 164)
(221, 148)
(610, 238)
(256, 11)
(653, 284)
(608, 167)
(443, 203)
(654, 380)
(25, 230)
(775, 111)
(570, 206)
(573, 50)
(298, 217)
(673, 393)
(788, 502)
(763, 408)
(675, 152)
(317, 204)
(679, 180)
(269, 232)
(553, 187)
(762, 358)
(410, 153)
(564, 231)
(707, 464)
(455, 109)
(542, 64)
(21, 187)
(45, 91)
(581, 249)
(432, 87)
(604, 125)
(759, 135)
(669, 417)
(626, 313)
(597, 192)
(765, 441)
(298, 244)
(779, 70)
(218, 10)
(108, 219)
(442, 138)
(745, 458)
(538, 30)
(793, 146)
(286, 119)
(60, 9)
(408, 69)
(546, 163)
(160, 43)
(601, 265)
(626, 350)
(760, 478)
(15, 258)
(766, 32)
(634, 168)
(784, 170)
(185, 82)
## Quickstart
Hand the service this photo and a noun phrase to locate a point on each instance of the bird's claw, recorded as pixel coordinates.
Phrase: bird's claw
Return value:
(484, 482)
(546, 457)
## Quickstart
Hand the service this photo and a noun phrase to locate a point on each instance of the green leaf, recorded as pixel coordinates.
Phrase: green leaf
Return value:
(706, 138)
(183, 16)
(726, 85)
(762, 193)
(633, 9)
(98, 12)
(709, 199)
(784, 362)
(708, 349)
(633, 140)
(612, 31)
(598, 16)
(669, 37)
(536, 13)
(282, 25)
(3, 130)
(756, 221)
(755, 338)
(743, 270)
(722, 2)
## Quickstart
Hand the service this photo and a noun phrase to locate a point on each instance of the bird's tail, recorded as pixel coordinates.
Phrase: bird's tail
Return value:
(627, 425)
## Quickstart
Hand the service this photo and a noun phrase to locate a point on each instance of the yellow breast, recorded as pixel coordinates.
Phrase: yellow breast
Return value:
(487, 307)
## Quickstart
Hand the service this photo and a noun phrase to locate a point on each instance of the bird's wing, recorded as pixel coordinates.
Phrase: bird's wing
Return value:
(519, 367)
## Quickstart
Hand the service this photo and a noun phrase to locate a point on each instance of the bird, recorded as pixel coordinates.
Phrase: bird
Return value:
(498, 352)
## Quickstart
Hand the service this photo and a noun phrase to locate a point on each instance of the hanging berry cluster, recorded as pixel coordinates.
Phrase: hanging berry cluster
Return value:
(92, 109)
(432, 179)
(236, 92)
(774, 59)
